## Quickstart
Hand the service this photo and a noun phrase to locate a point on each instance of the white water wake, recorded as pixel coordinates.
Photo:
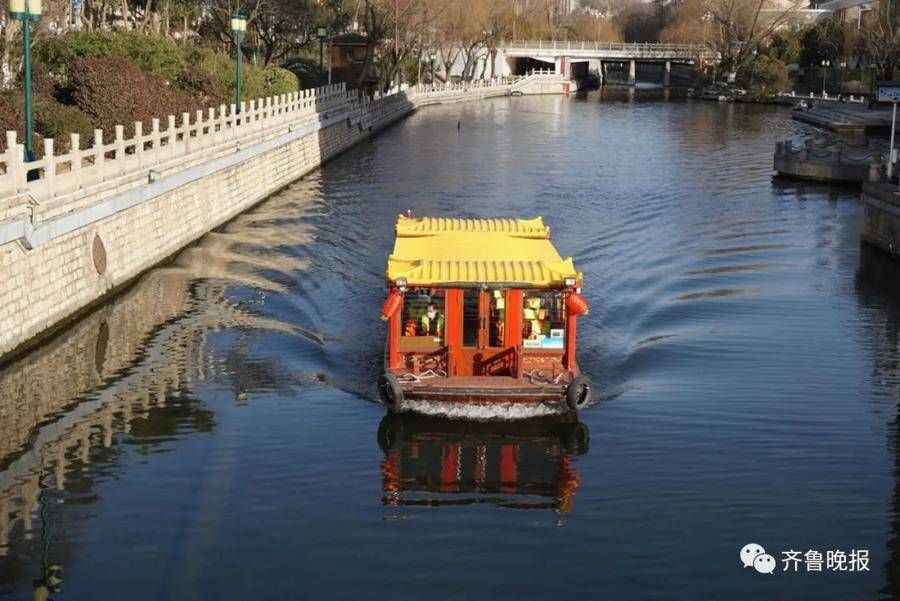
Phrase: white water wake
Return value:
(481, 412)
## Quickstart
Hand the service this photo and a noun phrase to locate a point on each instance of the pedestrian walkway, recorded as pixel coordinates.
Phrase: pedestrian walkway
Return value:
(849, 118)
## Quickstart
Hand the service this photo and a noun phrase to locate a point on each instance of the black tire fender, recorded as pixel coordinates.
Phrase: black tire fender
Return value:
(578, 393)
(578, 439)
(389, 390)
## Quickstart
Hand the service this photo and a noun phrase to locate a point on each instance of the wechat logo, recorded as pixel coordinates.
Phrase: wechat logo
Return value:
(754, 556)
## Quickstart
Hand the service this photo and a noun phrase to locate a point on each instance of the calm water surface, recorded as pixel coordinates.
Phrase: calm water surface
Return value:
(211, 433)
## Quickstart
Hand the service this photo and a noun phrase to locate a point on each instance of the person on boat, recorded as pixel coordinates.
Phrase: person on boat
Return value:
(432, 322)
(409, 328)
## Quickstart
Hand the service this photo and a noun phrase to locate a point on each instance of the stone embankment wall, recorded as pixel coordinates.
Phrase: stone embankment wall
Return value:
(881, 223)
(85, 223)
(829, 164)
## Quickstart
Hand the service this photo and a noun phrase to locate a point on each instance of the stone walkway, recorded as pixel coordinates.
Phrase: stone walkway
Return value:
(847, 118)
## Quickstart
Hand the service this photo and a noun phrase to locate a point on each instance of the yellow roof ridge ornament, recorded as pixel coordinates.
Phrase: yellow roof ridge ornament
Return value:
(432, 226)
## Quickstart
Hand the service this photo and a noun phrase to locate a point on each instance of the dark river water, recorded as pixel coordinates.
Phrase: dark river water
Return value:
(212, 433)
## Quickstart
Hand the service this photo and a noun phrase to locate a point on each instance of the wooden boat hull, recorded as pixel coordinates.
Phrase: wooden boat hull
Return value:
(459, 392)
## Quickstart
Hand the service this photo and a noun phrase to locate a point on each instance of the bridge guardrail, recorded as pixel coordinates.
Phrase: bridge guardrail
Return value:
(637, 49)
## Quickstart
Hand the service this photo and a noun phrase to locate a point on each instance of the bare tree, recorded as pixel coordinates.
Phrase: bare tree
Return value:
(733, 28)
(407, 24)
(880, 39)
(283, 27)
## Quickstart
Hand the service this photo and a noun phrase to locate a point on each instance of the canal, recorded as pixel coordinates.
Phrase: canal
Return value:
(212, 433)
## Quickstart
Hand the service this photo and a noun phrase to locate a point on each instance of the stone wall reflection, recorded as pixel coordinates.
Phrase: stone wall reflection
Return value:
(66, 401)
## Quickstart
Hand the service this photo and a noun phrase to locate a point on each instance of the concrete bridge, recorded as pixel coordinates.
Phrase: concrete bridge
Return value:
(574, 59)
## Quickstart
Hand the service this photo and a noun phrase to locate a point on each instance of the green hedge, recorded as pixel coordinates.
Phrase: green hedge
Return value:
(84, 80)
(258, 82)
(764, 75)
(57, 121)
(159, 56)
(114, 91)
(151, 53)
(51, 120)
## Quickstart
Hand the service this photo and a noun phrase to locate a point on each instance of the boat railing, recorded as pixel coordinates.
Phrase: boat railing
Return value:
(503, 362)
(517, 365)
(436, 362)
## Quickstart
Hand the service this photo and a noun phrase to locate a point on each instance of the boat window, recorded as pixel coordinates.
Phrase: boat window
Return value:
(470, 317)
(423, 314)
(496, 318)
(543, 319)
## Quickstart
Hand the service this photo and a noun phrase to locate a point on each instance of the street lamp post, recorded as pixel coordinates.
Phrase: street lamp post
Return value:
(843, 65)
(238, 30)
(27, 11)
(321, 33)
(825, 64)
(707, 18)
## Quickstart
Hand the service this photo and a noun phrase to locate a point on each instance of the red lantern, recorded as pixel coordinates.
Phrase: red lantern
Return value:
(576, 304)
(391, 304)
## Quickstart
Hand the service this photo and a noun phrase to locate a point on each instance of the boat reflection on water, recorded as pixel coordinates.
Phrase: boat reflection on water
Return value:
(522, 464)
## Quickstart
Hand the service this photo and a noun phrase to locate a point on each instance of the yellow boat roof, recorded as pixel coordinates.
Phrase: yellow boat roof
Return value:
(435, 251)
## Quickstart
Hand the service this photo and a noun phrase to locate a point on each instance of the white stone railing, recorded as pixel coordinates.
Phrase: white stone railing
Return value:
(424, 93)
(56, 175)
(576, 45)
(58, 182)
(824, 97)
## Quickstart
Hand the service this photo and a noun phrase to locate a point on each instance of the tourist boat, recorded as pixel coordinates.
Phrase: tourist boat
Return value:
(481, 311)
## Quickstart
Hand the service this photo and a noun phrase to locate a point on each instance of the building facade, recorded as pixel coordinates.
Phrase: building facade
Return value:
(849, 11)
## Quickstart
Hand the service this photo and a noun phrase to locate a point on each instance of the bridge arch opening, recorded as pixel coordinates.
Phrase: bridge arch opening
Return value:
(521, 65)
